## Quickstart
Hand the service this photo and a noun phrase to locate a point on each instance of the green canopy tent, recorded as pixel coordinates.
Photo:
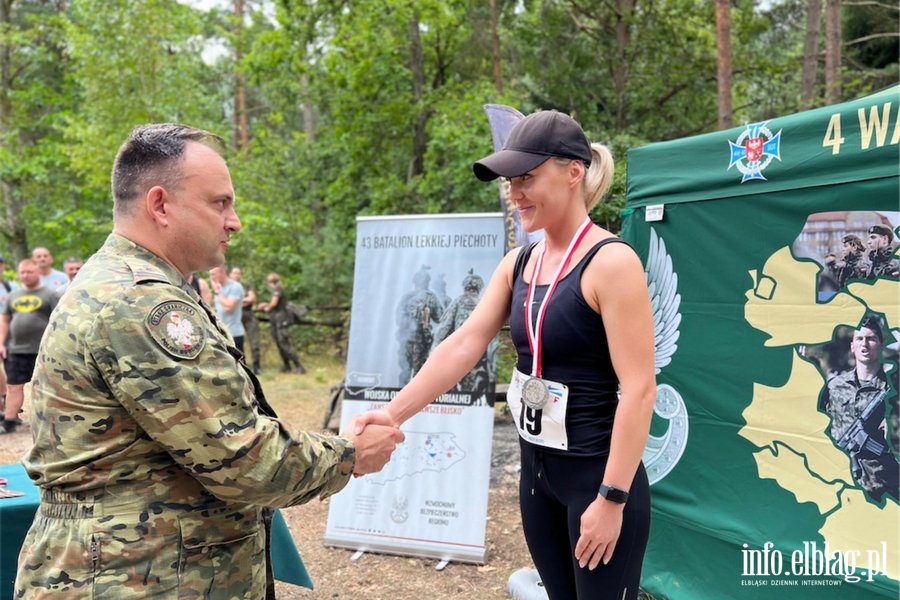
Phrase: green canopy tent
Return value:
(742, 233)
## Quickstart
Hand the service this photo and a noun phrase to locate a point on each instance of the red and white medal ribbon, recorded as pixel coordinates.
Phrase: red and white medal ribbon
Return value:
(534, 331)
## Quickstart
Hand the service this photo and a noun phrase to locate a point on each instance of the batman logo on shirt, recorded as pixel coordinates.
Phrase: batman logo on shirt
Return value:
(27, 303)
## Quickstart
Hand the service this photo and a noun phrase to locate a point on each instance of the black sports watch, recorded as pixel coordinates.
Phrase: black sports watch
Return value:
(613, 494)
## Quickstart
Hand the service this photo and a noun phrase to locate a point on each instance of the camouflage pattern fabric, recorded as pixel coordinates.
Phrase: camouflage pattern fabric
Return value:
(853, 267)
(155, 450)
(416, 312)
(845, 399)
(882, 264)
(478, 379)
(251, 328)
(281, 320)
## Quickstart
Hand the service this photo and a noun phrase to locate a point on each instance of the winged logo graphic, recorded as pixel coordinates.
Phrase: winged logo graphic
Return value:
(663, 452)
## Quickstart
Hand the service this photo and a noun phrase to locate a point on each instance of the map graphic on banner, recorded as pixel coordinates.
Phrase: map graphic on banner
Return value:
(421, 452)
(782, 462)
(416, 279)
(861, 510)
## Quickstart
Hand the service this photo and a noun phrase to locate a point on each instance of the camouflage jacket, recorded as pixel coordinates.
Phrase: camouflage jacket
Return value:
(852, 267)
(845, 400)
(155, 450)
(882, 264)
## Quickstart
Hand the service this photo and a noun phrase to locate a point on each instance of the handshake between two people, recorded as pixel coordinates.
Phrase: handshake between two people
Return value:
(375, 435)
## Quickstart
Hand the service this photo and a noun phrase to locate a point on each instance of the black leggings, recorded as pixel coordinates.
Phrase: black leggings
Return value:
(554, 491)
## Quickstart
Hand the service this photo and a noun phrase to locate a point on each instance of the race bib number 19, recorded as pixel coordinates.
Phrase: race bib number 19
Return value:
(545, 426)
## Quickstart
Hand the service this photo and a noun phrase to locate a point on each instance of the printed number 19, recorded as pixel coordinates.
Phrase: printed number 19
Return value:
(530, 420)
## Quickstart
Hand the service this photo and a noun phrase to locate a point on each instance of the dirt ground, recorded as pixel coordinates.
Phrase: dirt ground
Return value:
(302, 401)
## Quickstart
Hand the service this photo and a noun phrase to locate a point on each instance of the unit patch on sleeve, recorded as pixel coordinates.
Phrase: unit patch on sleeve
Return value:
(177, 327)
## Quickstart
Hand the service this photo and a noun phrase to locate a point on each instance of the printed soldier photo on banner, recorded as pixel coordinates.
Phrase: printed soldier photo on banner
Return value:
(859, 364)
(416, 281)
(861, 399)
(852, 245)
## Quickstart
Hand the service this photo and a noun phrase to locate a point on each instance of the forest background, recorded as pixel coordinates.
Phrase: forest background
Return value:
(334, 109)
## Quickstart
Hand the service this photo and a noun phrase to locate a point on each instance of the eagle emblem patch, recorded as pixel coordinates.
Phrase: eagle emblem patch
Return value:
(177, 327)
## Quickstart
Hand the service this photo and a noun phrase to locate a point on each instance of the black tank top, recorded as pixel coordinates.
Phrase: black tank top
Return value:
(575, 352)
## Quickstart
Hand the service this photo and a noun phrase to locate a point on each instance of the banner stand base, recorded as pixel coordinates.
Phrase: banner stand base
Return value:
(440, 566)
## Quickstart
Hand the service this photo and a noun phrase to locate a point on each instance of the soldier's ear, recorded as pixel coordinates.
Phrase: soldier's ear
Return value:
(157, 204)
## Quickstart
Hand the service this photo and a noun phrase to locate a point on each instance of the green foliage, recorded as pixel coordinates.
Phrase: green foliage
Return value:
(873, 45)
(34, 96)
(134, 62)
(370, 107)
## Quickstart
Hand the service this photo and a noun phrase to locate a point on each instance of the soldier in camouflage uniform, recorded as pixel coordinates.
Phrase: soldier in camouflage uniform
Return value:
(416, 312)
(157, 456)
(858, 402)
(851, 264)
(881, 253)
(478, 380)
(280, 320)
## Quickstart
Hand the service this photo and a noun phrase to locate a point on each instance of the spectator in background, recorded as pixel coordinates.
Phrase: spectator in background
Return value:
(228, 296)
(21, 327)
(281, 320)
(50, 277)
(71, 266)
(248, 318)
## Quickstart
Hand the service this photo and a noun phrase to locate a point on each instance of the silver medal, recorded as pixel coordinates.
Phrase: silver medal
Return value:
(535, 393)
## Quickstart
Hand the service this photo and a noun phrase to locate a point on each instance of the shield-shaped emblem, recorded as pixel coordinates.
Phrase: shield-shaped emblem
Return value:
(754, 148)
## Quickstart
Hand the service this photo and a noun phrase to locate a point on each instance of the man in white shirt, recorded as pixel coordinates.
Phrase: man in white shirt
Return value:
(50, 277)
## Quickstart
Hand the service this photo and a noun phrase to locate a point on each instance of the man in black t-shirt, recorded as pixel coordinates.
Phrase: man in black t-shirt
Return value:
(22, 325)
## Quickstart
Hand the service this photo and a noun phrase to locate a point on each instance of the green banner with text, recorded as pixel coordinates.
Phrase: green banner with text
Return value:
(771, 256)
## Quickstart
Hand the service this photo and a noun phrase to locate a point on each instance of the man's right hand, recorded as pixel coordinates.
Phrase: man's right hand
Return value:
(374, 446)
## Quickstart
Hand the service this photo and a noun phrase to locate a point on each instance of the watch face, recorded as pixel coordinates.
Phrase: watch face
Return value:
(613, 494)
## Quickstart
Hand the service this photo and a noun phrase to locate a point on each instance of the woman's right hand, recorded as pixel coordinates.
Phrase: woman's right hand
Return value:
(359, 422)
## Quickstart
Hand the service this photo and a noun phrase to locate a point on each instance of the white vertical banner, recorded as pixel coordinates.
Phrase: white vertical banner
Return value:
(416, 278)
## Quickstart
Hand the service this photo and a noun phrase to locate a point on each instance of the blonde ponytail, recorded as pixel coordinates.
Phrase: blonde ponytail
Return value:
(599, 176)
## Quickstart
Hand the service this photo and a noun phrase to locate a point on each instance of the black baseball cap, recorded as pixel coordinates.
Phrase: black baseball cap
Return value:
(531, 142)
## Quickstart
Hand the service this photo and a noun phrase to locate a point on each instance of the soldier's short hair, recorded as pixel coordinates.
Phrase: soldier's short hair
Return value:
(874, 323)
(151, 156)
